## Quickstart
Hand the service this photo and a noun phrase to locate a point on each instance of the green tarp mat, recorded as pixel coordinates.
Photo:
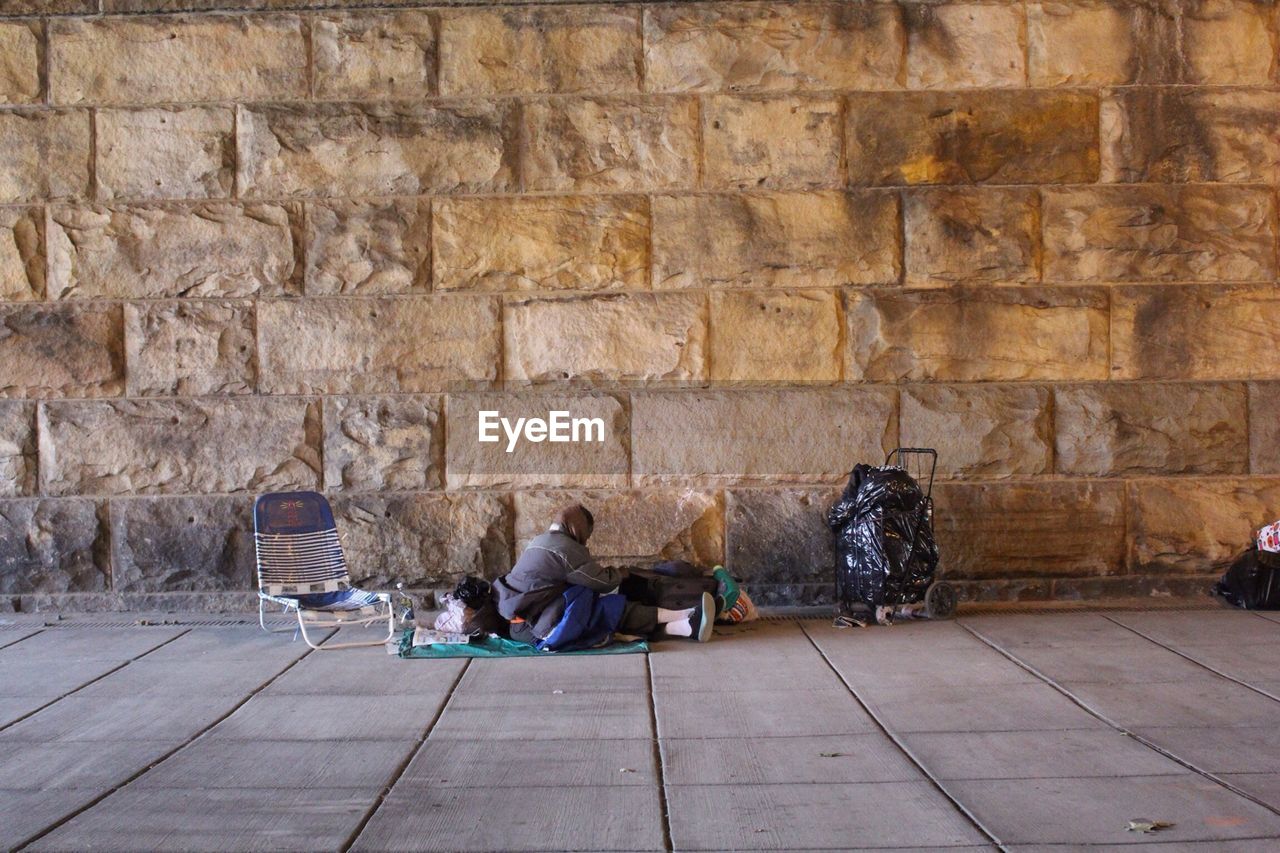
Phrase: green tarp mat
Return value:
(496, 647)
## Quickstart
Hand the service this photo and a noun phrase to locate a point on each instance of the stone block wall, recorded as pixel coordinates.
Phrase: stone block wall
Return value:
(300, 245)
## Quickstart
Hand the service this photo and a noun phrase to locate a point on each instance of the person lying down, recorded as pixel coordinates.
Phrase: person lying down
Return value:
(558, 598)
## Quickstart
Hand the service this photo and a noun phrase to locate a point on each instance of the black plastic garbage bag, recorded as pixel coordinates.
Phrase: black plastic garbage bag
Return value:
(1252, 581)
(885, 551)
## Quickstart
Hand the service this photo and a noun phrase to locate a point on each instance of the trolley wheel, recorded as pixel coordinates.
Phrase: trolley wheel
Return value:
(940, 600)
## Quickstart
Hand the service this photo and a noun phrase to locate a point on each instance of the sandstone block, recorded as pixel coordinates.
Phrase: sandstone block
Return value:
(175, 152)
(179, 446)
(1195, 332)
(594, 144)
(61, 351)
(814, 239)
(189, 348)
(17, 449)
(970, 138)
(587, 463)
(1264, 427)
(1196, 525)
(780, 536)
(1040, 529)
(1191, 135)
(368, 247)
(44, 154)
(20, 62)
(957, 45)
(615, 337)
(786, 436)
(495, 51)
(202, 544)
(380, 149)
(771, 142)
(986, 234)
(977, 334)
(548, 243)
(54, 7)
(155, 251)
(1151, 429)
(49, 546)
(1229, 41)
(980, 432)
(1091, 43)
(22, 264)
(635, 526)
(1196, 233)
(425, 540)
(375, 54)
(770, 336)
(132, 60)
(709, 47)
(379, 444)
(337, 346)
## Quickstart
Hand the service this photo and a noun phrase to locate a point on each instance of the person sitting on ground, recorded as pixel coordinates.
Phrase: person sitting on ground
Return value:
(558, 597)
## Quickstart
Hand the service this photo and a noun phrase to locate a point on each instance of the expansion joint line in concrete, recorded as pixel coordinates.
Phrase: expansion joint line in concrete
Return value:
(1124, 730)
(667, 843)
(20, 639)
(170, 754)
(404, 765)
(904, 748)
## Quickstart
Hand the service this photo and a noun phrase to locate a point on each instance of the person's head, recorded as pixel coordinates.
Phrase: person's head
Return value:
(577, 521)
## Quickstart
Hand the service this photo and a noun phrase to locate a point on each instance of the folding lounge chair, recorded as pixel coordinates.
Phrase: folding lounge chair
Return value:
(300, 560)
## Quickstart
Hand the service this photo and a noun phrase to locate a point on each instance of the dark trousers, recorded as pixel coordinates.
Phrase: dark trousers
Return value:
(639, 620)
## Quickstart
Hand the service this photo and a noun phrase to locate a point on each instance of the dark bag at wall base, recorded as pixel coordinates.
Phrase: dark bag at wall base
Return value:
(1252, 582)
(670, 591)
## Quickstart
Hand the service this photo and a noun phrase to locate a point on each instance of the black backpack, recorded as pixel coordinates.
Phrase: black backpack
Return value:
(1251, 581)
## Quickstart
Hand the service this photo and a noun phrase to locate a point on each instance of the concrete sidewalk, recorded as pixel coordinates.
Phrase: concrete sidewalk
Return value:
(1022, 731)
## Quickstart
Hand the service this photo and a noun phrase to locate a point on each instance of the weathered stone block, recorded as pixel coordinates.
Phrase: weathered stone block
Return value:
(598, 460)
(770, 336)
(970, 138)
(62, 351)
(189, 348)
(610, 144)
(131, 60)
(980, 432)
(1264, 427)
(185, 544)
(548, 243)
(44, 154)
(17, 449)
(1229, 41)
(147, 251)
(337, 346)
(1090, 43)
(368, 247)
(53, 546)
(751, 436)
(1195, 332)
(771, 142)
(780, 536)
(22, 264)
(635, 526)
(711, 47)
(1191, 135)
(1207, 233)
(615, 337)
(979, 333)
(1196, 525)
(380, 149)
(972, 234)
(425, 540)
(956, 45)
(1151, 429)
(375, 54)
(379, 444)
(179, 446)
(1030, 529)
(174, 152)
(20, 62)
(815, 239)
(494, 51)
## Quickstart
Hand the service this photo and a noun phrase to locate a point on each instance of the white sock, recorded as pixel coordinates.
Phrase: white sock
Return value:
(682, 628)
(665, 615)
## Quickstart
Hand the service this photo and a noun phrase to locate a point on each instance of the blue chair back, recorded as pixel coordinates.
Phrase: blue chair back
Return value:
(298, 551)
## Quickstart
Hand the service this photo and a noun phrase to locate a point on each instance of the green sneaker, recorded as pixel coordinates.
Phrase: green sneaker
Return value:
(726, 590)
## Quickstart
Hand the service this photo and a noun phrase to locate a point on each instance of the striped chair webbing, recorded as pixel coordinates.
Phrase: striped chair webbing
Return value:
(306, 562)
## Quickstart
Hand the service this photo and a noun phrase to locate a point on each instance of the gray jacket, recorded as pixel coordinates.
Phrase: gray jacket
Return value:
(534, 588)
